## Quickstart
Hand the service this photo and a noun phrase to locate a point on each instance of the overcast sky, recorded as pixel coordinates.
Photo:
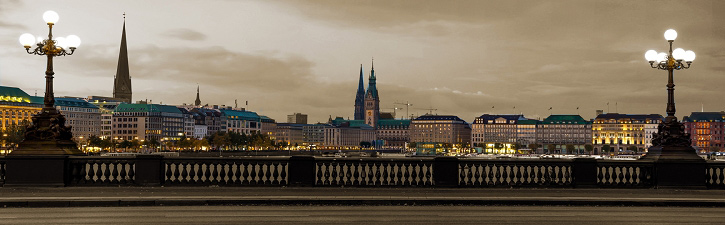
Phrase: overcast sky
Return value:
(463, 58)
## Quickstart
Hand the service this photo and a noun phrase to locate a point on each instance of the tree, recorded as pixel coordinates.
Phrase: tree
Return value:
(125, 144)
(606, 149)
(412, 145)
(135, 144)
(550, 148)
(365, 144)
(533, 147)
(589, 148)
(14, 134)
(570, 148)
(94, 141)
(153, 142)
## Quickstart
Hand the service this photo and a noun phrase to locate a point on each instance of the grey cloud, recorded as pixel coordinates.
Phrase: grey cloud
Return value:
(185, 34)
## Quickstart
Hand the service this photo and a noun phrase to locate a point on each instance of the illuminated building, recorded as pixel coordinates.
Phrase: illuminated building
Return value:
(394, 133)
(562, 130)
(488, 131)
(83, 117)
(17, 107)
(146, 121)
(706, 129)
(440, 129)
(243, 122)
(289, 133)
(313, 134)
(269, 126)
(620, 131)
(348, 133)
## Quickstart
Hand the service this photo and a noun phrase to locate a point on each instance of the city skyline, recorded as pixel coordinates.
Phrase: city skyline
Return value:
(305, 56)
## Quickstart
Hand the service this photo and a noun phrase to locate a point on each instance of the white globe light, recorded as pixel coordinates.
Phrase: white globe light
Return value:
(73, 41)
(689, 56)
(650, 55)
(678, 53)
(661, 57)
(50, 17)
(40, 39)
(670, 35)
(26, 39)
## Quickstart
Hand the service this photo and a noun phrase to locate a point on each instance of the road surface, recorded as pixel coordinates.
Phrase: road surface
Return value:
(363, 215)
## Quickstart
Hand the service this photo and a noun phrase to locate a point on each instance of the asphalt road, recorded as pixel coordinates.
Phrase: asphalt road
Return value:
(363, 215)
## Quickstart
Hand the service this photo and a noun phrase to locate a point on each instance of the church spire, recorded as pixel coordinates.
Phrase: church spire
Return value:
(360, 97)
(122, 80)
(197, 102)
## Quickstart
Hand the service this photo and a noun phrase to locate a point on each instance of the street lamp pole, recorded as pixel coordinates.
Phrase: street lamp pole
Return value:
(671, 141)
(48, 135)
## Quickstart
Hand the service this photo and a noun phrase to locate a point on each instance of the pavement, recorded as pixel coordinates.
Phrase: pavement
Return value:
(201, 196)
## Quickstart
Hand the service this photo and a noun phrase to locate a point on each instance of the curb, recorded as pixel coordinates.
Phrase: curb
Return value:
(358, 202)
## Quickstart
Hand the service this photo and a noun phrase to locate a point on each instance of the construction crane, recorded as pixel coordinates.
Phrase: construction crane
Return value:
(394, 108)
(406, 104)
(431, 109)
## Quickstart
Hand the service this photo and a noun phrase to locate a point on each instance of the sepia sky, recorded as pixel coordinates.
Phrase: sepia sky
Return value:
(463, 58)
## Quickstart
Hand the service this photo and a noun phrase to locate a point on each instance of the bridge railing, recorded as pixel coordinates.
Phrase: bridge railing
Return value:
(155, 170)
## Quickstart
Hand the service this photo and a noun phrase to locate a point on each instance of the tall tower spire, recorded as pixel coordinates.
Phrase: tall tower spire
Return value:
(360, 98)
(372, 101)
(122, 80)
(197, 102)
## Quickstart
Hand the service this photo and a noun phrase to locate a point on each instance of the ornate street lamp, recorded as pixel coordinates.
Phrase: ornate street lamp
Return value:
(671, 141)
(48, 135)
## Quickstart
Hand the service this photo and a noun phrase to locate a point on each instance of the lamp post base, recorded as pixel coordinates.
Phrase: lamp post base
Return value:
(677, 167)
(47, 135)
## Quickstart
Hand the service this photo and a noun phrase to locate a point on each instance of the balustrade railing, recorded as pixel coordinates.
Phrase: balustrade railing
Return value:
(338, 172)
(715, 175)
(373, 172)
(263, 171)
(625, 173)
(102, 171)
(514, 173)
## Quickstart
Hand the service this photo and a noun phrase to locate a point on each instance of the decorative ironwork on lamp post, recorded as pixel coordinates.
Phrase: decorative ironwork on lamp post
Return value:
(671, 133)
(48, 135)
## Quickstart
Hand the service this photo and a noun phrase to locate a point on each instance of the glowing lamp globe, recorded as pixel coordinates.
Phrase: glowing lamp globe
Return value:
(661, 57)
(650, 55)
(50, 17)
(27, 40)
(689, 56)
(73, 41)
(678, 53)
(670, 35)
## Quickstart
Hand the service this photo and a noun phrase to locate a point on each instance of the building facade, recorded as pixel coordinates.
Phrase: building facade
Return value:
(620, 132)
(563, 130)
(372, 101)
(297, 118)
(243, 122)
(290, 134)
(498, 134)
(348, 134)
(440, 129)
(707, 130)
(17, 107)
(394, 133)
(83, 117)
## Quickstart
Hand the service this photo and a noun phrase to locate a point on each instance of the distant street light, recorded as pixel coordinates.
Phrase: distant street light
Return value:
(671, 141)
(48, 135)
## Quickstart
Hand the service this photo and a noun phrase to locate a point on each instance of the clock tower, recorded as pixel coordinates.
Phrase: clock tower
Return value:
(372, 101)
